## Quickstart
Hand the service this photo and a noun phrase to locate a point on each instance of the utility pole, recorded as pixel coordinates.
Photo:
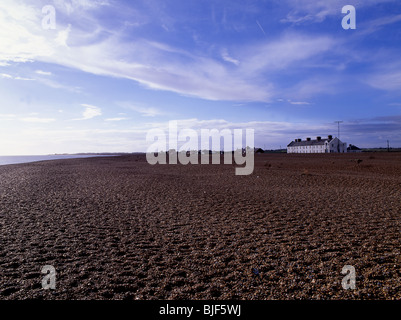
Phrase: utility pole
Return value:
(338, 122)
(388, 146)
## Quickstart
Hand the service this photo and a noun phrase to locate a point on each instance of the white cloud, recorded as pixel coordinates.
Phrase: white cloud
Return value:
(43, 73)
(24, 79)
(37, 120)
(376, 24)
(45, 81)
(290, 49)
(143, 110)
(156, 69)
(7, 116)
(62, 37)
(6, 76)
(294, 102)
(269, 134)
(227, 58)
(298, 102)
(116, 119)
(386, 80)
(22, 38)
(154, 64)
(260, 27)
(90, 112)
(272, 133)
(314, 86)
(312, 11)
(73, 6)
(56, 85)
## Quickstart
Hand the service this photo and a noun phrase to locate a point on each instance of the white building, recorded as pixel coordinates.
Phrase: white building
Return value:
(319, 145)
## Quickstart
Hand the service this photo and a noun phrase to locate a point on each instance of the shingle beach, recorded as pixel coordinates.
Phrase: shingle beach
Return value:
(119, 228)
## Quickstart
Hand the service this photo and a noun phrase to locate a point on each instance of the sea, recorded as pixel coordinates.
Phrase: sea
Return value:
(26, 159)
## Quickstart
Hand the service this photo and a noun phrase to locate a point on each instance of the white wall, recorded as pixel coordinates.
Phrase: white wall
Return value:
(333, 146)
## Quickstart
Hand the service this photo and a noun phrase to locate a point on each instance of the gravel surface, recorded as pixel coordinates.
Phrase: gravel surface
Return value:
(119, 228)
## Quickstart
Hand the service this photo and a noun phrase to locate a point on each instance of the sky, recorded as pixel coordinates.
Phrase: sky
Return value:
(99, 74)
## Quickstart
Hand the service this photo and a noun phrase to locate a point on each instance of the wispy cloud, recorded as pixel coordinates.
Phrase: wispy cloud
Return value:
(159, 66)
(377, 24)
(371, 131)
(7, 116)
(8, 76)
(116, 119)
(43, 73)
(44, 80)
(260, 27)
(57, 85)
(21, 33)
(166, 61)
(24, 79)
(37, 120)
(389, 80)
(286, 51)
(316, 11)
(77, 6)
(143, 110)
(21, 39)
(298, 102)
(314, 86)
(227, 58)
(90, 112)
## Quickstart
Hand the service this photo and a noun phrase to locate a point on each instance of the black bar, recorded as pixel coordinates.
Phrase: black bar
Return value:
(154, 309)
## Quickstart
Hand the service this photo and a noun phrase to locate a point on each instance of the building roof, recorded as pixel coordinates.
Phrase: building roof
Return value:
(352, 147)
(308, 143)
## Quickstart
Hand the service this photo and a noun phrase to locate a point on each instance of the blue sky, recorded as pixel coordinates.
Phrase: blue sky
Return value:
(111, 70)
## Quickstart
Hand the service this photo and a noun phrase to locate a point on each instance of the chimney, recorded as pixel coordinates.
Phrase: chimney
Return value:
(308, 139)
(319, 138)
(330, 137)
